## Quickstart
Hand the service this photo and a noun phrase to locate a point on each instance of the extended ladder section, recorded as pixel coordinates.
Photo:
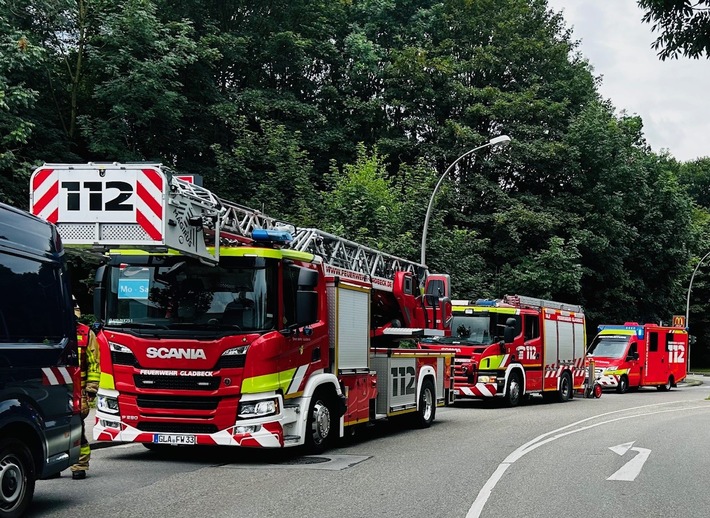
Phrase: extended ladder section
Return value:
(338, 252)
(532, 302)
(105, 206)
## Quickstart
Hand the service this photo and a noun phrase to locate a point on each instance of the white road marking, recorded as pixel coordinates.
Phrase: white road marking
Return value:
(487, 489)
(629, 471)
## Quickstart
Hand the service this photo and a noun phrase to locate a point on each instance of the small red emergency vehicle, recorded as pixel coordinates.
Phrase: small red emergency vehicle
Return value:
(635, 355)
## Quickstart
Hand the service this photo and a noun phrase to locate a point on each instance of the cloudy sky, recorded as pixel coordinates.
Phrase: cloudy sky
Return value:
(668, 95)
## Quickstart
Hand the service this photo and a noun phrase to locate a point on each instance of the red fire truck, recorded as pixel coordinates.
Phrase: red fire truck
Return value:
(635, 355)
(515, 347)
(224, 326)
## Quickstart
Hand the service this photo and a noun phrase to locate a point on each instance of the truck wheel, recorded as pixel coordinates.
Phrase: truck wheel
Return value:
(667, 386)
(17, 478)
(320, 426)
(623, 385)
(427, 405)
(565, 392)
(513, 391)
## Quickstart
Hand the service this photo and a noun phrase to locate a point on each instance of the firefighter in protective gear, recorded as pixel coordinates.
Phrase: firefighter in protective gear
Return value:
(89, 364)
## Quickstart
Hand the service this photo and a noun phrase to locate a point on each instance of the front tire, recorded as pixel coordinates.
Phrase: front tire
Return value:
(623, 385)
(321, 424)
(17, 478)
(427, 405)
(514, 390)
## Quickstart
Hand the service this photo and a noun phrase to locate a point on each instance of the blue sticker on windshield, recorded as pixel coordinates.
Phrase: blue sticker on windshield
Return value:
(133, 288)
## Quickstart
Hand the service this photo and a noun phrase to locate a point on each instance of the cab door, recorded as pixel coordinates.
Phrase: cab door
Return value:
(656, 369)
(634, 362)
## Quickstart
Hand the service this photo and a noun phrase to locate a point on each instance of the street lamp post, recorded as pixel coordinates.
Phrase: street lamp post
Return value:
(687, 303)
(501, 141)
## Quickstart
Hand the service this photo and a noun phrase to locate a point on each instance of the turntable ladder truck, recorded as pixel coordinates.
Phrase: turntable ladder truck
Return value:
(225, 326)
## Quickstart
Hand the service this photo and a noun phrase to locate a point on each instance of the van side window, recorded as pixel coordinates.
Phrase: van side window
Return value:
(31, 308)
(669, 339)
(653, 342)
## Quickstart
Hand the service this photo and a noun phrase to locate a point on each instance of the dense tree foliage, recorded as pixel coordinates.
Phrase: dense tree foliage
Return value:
(343, 115)
(684, 26)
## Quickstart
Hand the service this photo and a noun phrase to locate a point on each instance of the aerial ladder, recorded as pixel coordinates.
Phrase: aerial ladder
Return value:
(152, 208)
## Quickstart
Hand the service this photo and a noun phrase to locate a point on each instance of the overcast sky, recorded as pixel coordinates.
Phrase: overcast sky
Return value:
(670, 96)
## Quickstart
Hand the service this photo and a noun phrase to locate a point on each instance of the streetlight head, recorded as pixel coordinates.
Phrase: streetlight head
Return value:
(500, 141)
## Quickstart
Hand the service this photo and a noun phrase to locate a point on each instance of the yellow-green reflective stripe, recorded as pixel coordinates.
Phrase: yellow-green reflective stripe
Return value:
(268, 382)
(106, 382)
(482, 309)
(224, 251)
(627, 332)
(492, 362)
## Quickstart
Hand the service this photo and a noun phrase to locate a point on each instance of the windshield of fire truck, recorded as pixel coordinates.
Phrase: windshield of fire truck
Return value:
(609, 346)
(476, 329)
(178, 293)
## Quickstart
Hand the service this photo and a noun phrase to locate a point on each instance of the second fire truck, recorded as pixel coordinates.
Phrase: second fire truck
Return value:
(515, 347)
(224, 326)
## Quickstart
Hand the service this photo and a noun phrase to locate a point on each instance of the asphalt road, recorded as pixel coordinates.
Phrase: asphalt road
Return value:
(478, 459)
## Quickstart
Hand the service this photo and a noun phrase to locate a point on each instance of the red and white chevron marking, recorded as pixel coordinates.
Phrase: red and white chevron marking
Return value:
(477, 390)
(45, 188)
(56, 376)
(149, 206)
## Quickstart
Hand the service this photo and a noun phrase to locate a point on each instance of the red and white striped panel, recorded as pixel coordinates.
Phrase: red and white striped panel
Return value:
(477, 390)
(45, 189)
(553, 371)
(149, 207)
(56, 376)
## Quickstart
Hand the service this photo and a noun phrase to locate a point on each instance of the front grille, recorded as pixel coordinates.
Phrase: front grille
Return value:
(177, 382)
(183, 403)
(119, 358)
(177, 427)
(232, 361)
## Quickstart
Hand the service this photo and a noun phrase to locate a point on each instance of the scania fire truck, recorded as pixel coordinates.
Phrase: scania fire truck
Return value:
(515, 347)
(225, 326)
(635, 355)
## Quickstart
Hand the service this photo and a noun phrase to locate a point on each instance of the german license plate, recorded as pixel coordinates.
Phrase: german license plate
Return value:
(160, 438)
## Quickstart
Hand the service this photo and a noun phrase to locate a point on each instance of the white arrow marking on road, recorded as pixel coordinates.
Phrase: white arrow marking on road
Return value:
(631, 469)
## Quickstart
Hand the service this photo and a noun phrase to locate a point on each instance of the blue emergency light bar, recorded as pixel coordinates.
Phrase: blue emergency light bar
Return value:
(486, 302)
(271, 236)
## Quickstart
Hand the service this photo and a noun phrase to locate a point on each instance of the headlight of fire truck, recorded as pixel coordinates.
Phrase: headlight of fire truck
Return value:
(487, 379)
(236, 351)
(107, 404)
(263, 408)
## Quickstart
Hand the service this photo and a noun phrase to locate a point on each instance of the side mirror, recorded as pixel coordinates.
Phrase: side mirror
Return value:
(509, 331)
(99, 291)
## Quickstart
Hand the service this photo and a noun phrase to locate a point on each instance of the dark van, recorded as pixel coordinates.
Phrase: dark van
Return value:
(40, 423)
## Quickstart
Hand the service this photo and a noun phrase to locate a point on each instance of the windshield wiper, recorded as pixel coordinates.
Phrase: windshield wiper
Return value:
(138, 325)
(204, 326)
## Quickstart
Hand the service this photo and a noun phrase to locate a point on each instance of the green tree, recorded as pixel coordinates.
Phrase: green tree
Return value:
(17, 54)
(684, 27)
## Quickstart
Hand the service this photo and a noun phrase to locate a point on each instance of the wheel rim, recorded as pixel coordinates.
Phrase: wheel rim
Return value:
(12, 483)
(320, 427)
(428, 403)
(565, 388)
(514, 390)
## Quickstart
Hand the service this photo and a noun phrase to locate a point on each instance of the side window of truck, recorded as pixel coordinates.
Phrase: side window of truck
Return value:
(290, 287)
(34, 312)
(532, 327)
(653, 342)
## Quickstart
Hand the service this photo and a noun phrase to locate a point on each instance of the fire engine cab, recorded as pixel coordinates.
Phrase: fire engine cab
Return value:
(515, 347)
(225, 326)
(635, 355)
